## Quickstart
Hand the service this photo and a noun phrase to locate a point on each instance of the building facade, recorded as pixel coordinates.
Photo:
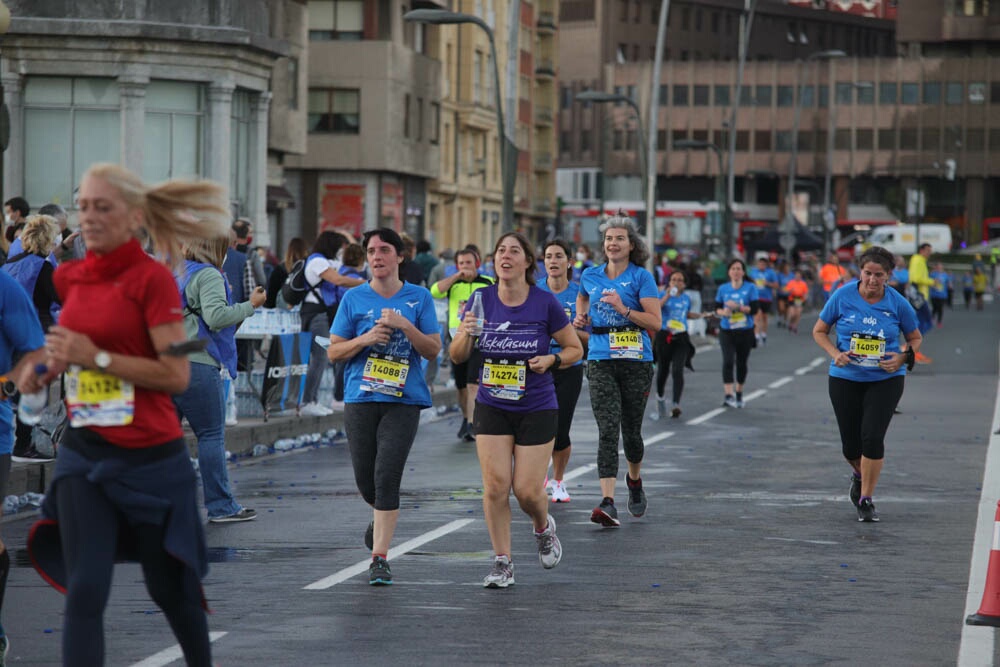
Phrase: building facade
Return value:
(168, 90)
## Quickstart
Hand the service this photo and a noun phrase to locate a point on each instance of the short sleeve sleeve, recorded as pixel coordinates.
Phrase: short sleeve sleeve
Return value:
(907, 317)
(556, 314)
(427, 320)
(647, 285)
(161, 300)
(831, 311)
(343, 321)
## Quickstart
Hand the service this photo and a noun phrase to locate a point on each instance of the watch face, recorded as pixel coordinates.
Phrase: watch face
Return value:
(102, 359)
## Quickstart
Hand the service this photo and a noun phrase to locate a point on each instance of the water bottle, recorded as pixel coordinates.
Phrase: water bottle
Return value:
(476, 309)
(31, 407)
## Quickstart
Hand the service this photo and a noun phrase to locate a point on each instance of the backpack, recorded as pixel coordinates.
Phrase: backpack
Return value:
(296, 286)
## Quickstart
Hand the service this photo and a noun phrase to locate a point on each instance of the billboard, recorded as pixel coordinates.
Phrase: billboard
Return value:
(876, 9)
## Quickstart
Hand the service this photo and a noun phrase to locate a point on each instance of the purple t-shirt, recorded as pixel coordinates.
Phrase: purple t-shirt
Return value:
(510, 337)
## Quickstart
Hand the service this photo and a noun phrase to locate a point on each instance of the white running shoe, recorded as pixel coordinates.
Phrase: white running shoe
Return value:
(659, 409)
(549, 548)
(559, 493)
(315, 410)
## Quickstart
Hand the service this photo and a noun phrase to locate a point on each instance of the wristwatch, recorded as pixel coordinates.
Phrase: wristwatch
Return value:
(556, 363)
(102, 359)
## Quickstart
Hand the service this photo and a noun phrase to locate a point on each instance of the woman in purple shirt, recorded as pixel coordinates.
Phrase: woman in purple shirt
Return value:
(516, 411)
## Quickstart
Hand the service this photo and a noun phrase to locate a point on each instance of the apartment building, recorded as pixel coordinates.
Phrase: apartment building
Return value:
(180, 89)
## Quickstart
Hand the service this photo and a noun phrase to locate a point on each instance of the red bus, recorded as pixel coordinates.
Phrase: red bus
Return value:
(991, 229)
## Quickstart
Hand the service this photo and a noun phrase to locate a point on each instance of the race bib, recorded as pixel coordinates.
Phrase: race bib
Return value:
(625, 344)
(676, 326)
(95, 398)
(737, 320)
(385, 374)
(868, 348)
(505, 378)
(759, 282)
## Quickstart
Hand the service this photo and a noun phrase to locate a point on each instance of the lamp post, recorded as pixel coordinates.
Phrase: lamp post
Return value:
(696, 144)
(746, 27)
(597, 97)
(508, 151)
(829, 218)
(793, 163)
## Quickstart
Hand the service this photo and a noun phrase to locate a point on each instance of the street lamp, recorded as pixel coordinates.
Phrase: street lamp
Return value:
(597, 97)
(829, 219)
(697, 144)
(818, 55)
(508, 151)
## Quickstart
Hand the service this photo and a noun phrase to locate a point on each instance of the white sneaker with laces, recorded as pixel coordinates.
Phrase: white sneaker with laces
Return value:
(559, 493)
(659, 409)
(315, 410)
(549, 548)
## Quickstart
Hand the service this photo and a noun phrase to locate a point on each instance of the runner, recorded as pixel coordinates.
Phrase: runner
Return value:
(733, 302)
(619, 299)
(382, 330)
(20, 336)
(123, 483)
(568, 379)
(516, 416)
(785, 274)
(672, 348)
(939, 291)
(866, 374)
(797, 290)
(766, 281)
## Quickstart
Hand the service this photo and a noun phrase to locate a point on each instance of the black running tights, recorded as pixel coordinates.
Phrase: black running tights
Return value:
(736, 346)
(670, 358)
(89, 527)
(864, 410)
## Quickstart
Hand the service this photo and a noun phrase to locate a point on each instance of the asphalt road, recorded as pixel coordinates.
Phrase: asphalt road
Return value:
(750, 553)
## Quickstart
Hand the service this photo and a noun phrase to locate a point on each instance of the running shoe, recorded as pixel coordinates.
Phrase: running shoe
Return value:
(245, 514)
(923, 359)
(463, 430)
(855, 492)
(501, 574)
(549, 547)
(730, 401)
(675, 411)
(379, 573)
(315, 410)
(370, 536)
(636, 497)
(659, 409)
(740, 404)
(30, 455)
(606, 514)
(866, 511)
(559, 493)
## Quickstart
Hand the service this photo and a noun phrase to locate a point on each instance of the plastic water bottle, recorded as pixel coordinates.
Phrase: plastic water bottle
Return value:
(31, 407)
(477, 309)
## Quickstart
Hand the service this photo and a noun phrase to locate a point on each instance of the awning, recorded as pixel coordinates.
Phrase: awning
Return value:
(278, 197)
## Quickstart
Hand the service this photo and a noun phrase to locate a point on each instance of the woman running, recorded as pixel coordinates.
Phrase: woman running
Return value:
(516, 415)
(619, 299)
(568, 379)
(124, 483)
(672, 347)
(797, 293)
(736, 304)
(866, 374)
(382, 330)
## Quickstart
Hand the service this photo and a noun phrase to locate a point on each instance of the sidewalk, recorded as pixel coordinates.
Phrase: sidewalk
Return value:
(240, 440)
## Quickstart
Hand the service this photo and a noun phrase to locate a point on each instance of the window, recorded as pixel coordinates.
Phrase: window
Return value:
(697, 20)
(680, 96)
(805, 140)
(783, 141)
(746, 96)
(630, 137)
(931, 139)
(701, 96)
(623, 10)
(807, 96)
(293, 83)
(845, 92)
(664, 95)
(336, 20)
(864, 139)
(995, 139)
(618, 140)
(762, 140)
(678, 135)
(565, 97)
(743, 140)
(420, 119)
(842, 139)
(406, 115)
(699, 135)
(909, 93)
(824, 97)
(564, 141)
(715, 22)
(585, 140)
(719, 139)
(866, 92)
(241, 143)
(334, 110)
(477, 77)
(887, 93)
(786, 96)
(977, 92)
(661, 137)
(886, 139)
(173, 130)
(435, 122)
(763, 96)
(975, 137)
(685, 18)
(908, 139)
(69, 124)
(994, 92)
(637, 14)
(722, 96)
(932, 92)
(953, 92)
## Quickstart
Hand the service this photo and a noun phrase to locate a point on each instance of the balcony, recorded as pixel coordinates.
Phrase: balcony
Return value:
(543, 162)
(544, 117)
(546, 23)
(545, 67)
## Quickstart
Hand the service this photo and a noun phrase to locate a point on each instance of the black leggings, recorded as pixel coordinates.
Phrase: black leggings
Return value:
(568, 383)
(736, 346)
(937, 308)
(380, 436)
(670, 357)
(89, 527)
(864, 410)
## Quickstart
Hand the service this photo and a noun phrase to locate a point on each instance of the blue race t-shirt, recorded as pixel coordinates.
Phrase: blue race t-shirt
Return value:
(633, 284)
(675, 311)
(783, 280)
(567, 299)
(939, 290)
(20, 332)
(511, 336)
(867, 330)
(391, 373)
(745, 295)
(760, 279)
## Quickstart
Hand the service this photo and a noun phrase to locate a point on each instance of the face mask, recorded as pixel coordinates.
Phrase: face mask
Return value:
(581, 256)
(8, 220)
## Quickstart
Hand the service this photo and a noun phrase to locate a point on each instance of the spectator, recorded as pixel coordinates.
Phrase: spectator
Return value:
(409, 270)
(443, 269)
(71, 245)
(425, 258)
(296, 250)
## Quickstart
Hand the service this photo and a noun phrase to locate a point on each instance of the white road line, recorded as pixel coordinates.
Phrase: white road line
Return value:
(780, 382)
(976, 646)
(705, 417)
(354, 570)
(656, 438)
(576, 472)
(169, 655)
(704, 348)
(811, 365)
(756, 394)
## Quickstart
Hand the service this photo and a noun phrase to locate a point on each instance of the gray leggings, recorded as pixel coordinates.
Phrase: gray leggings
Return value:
(618, 392)
(380, 436)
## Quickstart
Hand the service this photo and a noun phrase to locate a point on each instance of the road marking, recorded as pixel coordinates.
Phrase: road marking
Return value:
(657, 437)
(576, 472)
(811, 365)
(780, 382)
(358, 568)
(753, 395)
(705, 417)
(976, 646)
(704, 348)
(169, 655)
